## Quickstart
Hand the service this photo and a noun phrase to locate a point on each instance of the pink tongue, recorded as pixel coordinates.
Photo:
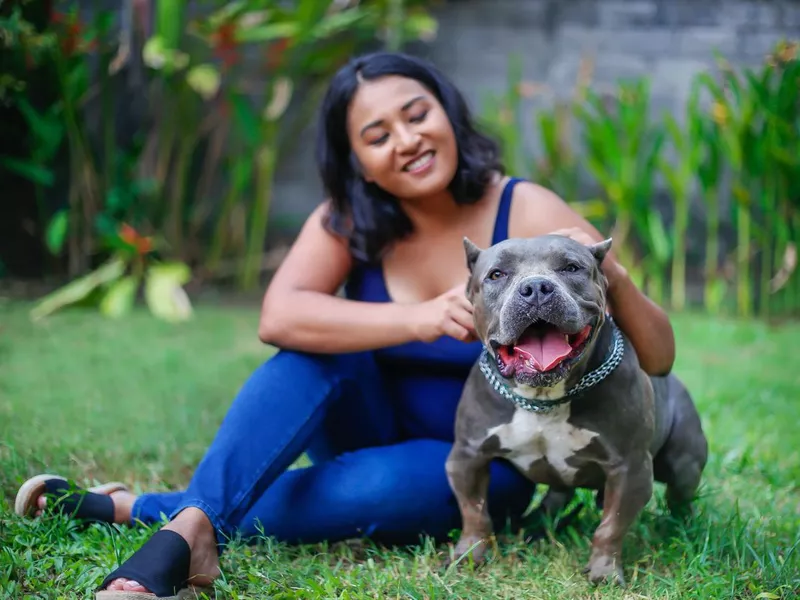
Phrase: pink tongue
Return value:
(546, 351)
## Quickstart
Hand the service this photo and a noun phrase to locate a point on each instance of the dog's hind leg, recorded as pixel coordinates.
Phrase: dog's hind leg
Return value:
(681, 460)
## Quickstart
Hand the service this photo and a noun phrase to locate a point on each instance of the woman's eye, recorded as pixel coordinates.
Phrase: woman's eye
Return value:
(380, 140)
(419, 118)
(496, 274)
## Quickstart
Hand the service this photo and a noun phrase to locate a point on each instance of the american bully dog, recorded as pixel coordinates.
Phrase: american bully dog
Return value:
(558, 392)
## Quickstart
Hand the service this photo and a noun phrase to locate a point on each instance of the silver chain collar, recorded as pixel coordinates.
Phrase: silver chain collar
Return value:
(543, 406)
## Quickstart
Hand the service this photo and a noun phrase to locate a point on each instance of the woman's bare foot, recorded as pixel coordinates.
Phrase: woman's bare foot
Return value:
(123, 505)
(192, 525)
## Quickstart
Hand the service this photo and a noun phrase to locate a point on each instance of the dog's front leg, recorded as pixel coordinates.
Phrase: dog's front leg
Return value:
(628, 488)
(468, 474)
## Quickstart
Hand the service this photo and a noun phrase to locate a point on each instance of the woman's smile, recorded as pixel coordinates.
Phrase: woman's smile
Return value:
(422, 165)
(402, 138)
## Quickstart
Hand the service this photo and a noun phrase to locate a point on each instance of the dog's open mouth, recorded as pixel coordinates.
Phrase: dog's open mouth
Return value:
(541, 348)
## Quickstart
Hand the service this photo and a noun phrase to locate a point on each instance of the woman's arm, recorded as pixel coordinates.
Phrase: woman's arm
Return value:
(538, 211)
(644, 322)
(300, 310)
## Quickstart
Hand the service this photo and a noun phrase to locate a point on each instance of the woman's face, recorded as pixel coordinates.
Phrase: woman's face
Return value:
(402, 137)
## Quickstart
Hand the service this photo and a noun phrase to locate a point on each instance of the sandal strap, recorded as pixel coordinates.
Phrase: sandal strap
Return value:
(79, 504)
(161, 565)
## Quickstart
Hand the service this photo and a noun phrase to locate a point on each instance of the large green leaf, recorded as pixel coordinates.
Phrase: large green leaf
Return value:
(79, 289)
(676, 134)
(309, 12)
(548, 128)
(716, 291)
(204, 79)
(241, 172)
(120, 296)
(169, 19)
(591, 209)
(598, 169)
(164, 291)
(46, 127)
(281, 95)
(228, 12)
(157, 55)
(266, 33)
(707, 81)
(787, 157)
(56, 233)
(245, 118)
(36, 173)
(337, 23)
(710, 164)
(670, 173)
(420, 25)
(659, 239)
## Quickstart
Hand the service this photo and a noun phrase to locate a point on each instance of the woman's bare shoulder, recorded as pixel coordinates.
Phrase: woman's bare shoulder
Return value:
(537, 210)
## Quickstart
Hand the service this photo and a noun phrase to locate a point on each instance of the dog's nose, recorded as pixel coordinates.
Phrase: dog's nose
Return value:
(536, 290)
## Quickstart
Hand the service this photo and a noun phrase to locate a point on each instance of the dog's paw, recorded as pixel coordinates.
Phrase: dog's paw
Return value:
(604, 569)
(469, 550)
(681, 510)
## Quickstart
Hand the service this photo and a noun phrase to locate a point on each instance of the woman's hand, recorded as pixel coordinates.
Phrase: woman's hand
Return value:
(576, 233)
(449, 314)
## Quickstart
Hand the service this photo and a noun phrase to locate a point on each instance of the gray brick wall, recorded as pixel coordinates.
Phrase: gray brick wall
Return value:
(671, 40)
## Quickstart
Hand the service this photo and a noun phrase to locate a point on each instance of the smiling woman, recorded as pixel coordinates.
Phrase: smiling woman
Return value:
(423, 159)
(367, 385)
(400, 132)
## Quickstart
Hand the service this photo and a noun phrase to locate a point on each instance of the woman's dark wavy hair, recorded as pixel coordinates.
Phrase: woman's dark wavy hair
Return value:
(369, 217)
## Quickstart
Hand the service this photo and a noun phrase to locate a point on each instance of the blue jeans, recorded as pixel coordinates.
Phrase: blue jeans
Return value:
(365, 480)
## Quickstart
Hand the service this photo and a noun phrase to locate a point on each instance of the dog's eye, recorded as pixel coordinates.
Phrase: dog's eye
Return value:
(495, 274)
(571, 268)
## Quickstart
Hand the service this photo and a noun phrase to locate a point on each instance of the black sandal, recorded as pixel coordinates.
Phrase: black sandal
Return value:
(161, 565)
(90, 506)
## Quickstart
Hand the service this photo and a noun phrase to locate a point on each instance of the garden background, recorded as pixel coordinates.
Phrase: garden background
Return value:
(156, 159)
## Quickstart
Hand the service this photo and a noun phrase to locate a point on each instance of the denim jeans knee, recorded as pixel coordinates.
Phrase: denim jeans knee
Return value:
(291, 402)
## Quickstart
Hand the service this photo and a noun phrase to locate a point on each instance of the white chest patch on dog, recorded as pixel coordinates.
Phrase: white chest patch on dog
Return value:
(531, 436)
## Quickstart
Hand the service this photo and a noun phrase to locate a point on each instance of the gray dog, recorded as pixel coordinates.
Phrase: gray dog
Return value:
(559, 393)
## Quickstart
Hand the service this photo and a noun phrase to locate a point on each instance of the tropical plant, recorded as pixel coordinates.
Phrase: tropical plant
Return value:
(622, 148)
(758, 119)
(680, 173)
(709, 173)
(198, 170)
(558, 167)
(113, 286)
(736, 148)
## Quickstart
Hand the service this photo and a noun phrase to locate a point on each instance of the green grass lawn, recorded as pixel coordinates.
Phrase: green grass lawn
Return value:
(139, 401)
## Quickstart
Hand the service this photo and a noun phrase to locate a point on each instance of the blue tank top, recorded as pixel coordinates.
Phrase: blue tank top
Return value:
(423, 379)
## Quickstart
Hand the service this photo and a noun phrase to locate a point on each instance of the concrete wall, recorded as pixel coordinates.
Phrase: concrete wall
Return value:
(670, 40)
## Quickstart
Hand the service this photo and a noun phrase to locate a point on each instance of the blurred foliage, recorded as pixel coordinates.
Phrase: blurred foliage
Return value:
(174, 132)
(736, 150)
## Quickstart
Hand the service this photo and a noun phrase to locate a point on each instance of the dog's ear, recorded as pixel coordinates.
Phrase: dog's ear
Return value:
(472, 251)
(600, 249)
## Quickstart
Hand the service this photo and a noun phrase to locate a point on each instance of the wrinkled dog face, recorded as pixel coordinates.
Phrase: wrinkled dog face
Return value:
(537, 302)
